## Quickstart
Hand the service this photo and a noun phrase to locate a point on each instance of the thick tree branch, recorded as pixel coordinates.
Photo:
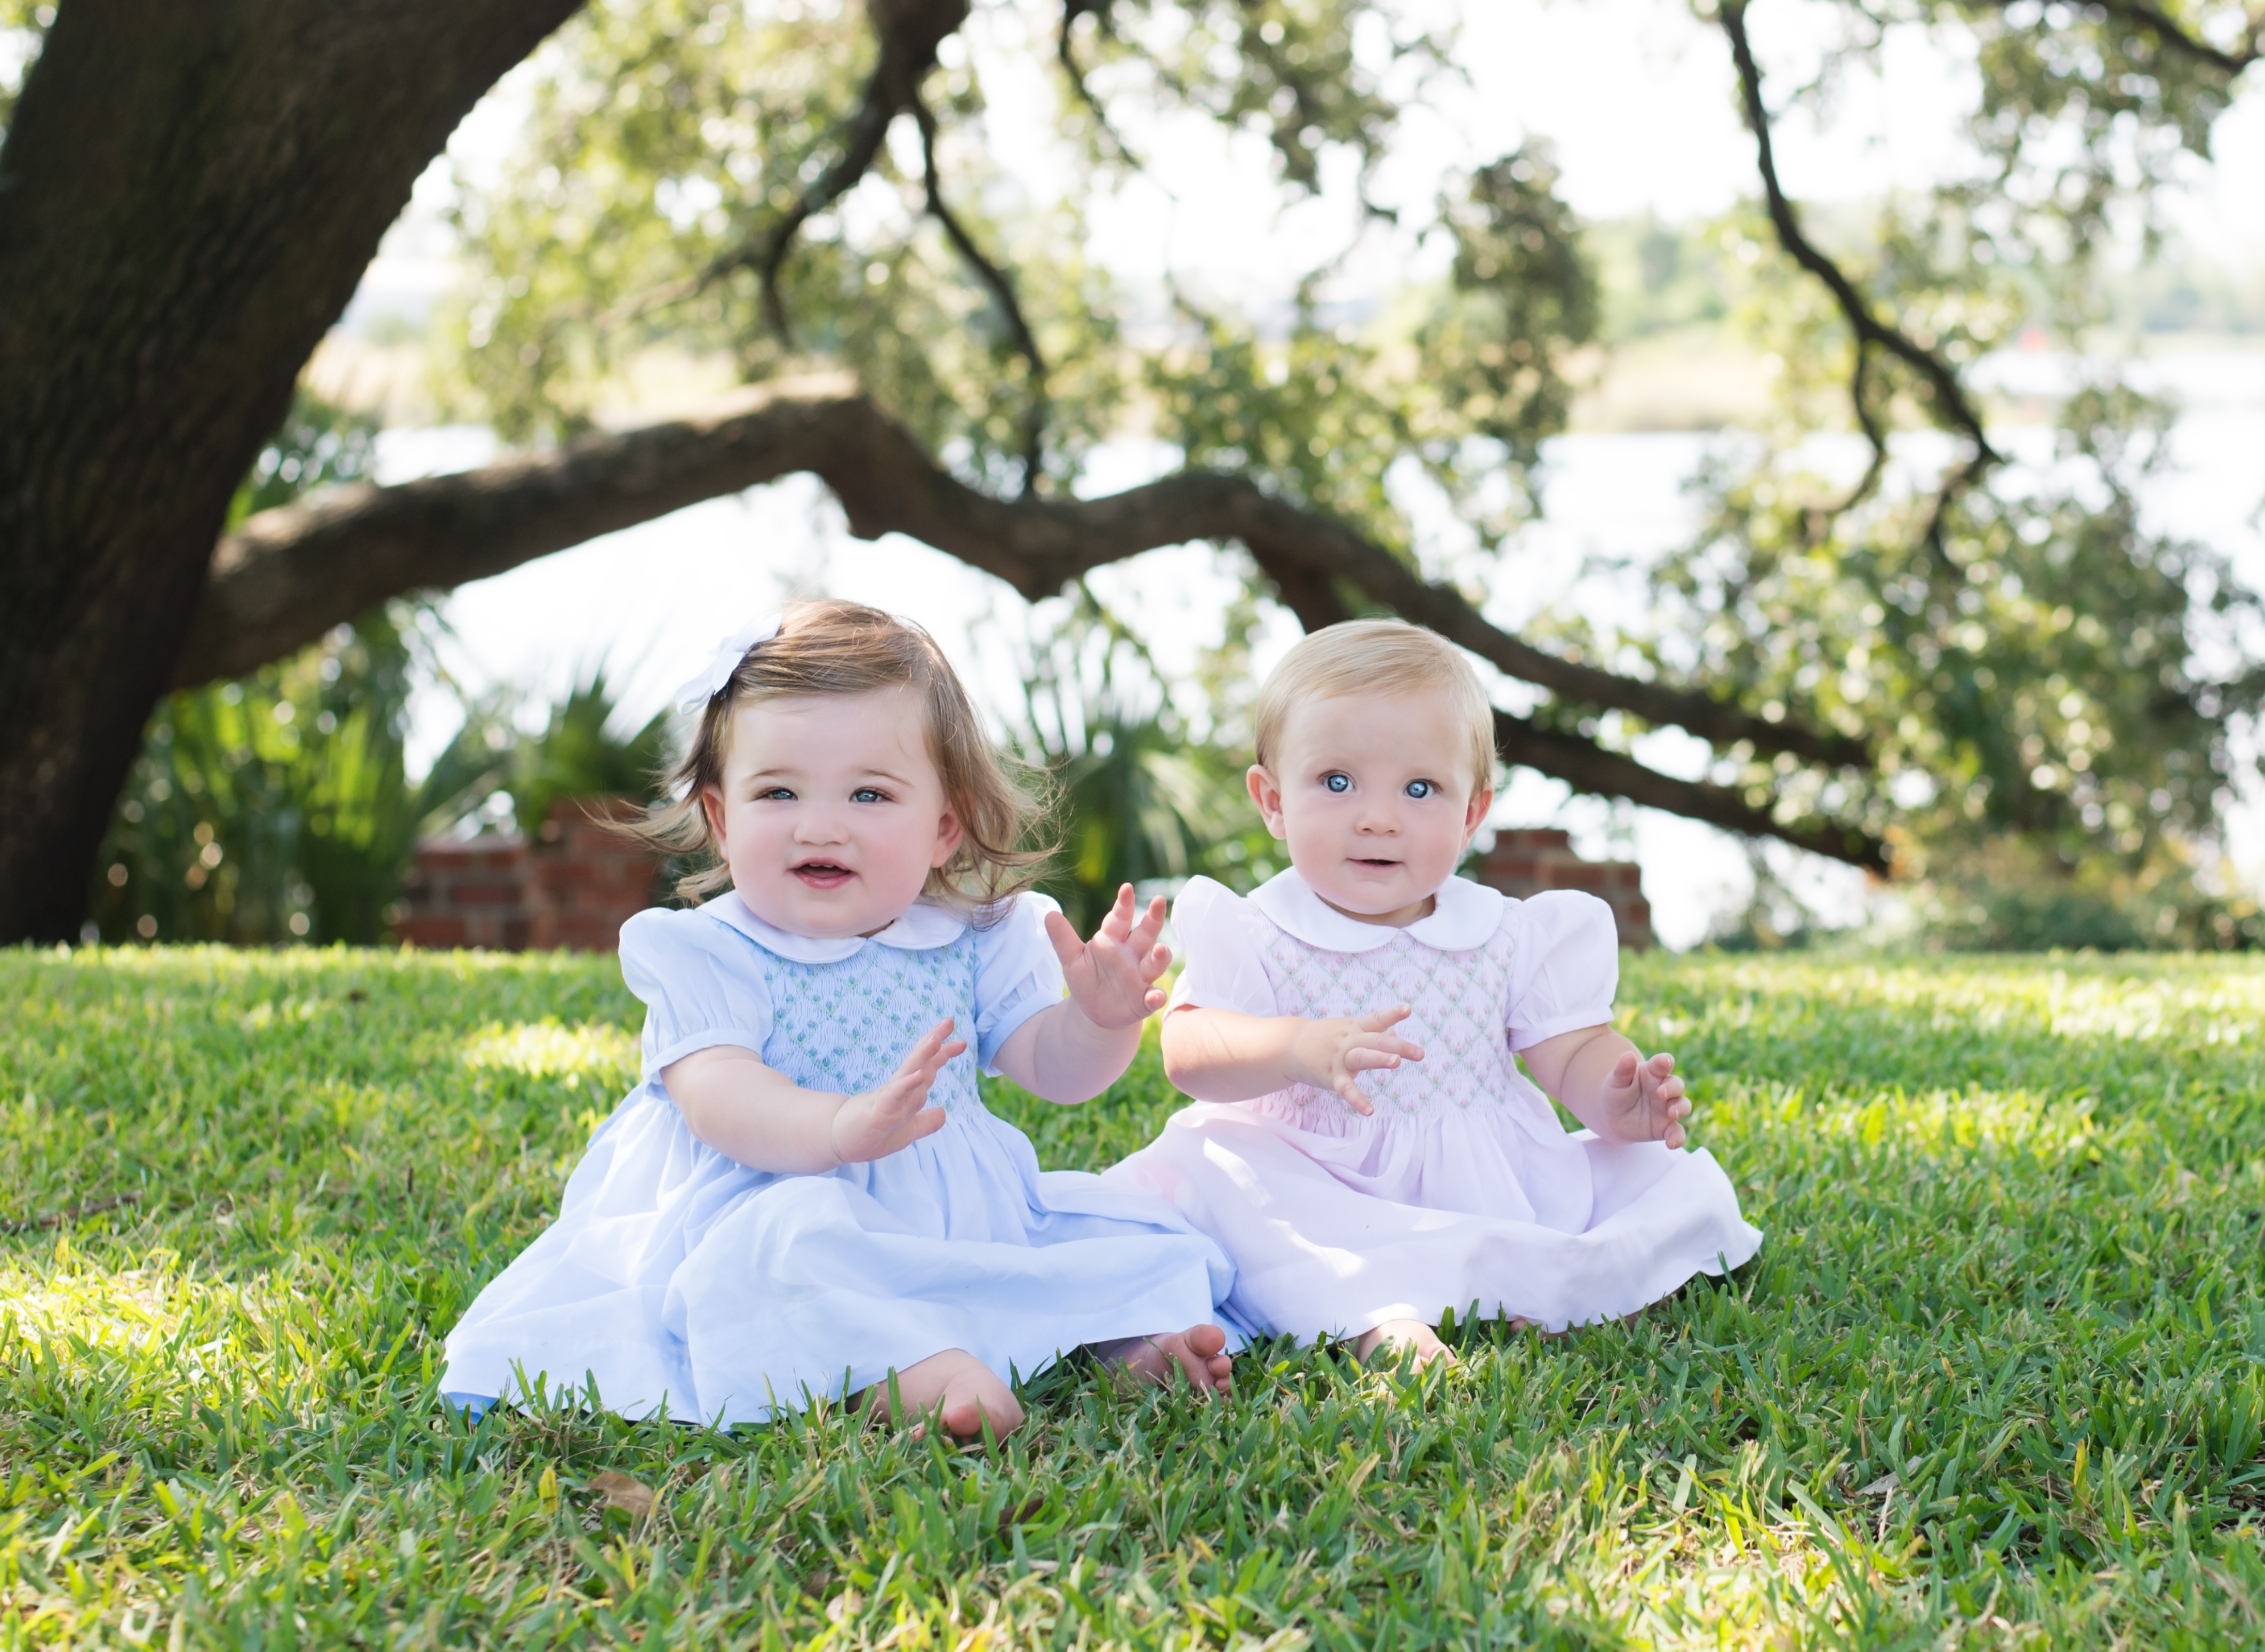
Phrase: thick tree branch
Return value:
(1590, 769)
(1951, 403)
(1287, 540)
(288, 575)
(1587, 767)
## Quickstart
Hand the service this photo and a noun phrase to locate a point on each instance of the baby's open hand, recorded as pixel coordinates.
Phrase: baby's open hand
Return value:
(1112, 978)
(1329, 1052)
(1644, 1099)
(896, 1114)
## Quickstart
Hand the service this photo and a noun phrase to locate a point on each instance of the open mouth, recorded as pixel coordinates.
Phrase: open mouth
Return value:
(823, 874)
(1377, 866)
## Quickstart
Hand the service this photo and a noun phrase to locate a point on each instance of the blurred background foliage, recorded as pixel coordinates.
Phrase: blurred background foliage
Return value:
(2048, 682)
(581, 752)
(1142, 793)
(279, 808)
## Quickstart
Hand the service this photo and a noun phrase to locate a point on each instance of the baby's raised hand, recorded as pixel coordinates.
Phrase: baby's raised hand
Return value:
(1644, 1099)
(1112, 978)
(876, 1123)
(1329, 1053)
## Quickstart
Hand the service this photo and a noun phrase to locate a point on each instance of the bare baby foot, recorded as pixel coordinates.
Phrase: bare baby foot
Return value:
(1401, 1336)
(958, 1389)
(1198, 1354)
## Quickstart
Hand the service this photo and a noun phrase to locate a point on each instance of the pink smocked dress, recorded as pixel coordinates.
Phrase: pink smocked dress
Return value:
(1463, 1189)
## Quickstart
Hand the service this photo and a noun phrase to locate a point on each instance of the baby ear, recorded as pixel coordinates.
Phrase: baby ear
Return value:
(1267, 792)
(711, 804)
(1475, 812)
(948, 834)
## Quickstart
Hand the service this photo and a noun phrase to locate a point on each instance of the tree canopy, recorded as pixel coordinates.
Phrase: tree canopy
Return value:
(1955, 642)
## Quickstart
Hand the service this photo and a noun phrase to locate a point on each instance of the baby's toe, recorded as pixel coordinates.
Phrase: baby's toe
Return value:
(961, 1418)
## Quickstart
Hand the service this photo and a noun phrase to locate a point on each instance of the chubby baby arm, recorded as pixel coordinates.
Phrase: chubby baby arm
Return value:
(1611, 1086)
(1219, 1055)
(755, 1114)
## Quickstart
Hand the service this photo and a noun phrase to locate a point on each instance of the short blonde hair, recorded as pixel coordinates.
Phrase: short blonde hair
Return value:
(831, 647)
(1379, 658)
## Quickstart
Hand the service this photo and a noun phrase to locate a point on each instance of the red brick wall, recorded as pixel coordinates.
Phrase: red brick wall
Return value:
(1529, 861)
(572, 887)
(471, 893)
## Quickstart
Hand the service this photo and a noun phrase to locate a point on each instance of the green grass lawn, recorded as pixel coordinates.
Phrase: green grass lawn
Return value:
(1998, 1376)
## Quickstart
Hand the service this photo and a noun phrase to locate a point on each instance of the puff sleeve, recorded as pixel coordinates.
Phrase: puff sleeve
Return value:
(1222, 970)
(699, 985)
(1016, 974)
(1565, 969)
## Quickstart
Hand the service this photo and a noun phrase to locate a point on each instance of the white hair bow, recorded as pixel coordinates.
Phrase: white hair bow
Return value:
(697, 691)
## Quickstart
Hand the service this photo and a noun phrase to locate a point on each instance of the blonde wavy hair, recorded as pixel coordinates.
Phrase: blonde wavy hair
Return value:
(827, 646)
(1379, 657)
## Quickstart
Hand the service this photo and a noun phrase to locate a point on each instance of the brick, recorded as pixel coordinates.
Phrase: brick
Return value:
(1520, 866)
(1532, 861)
(432, 930)
(1535, 839)
(574, 885)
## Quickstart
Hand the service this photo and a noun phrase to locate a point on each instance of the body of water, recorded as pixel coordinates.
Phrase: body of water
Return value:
(651, 601)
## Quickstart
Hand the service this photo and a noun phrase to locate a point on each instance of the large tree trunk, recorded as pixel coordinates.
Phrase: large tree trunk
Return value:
(189, 192)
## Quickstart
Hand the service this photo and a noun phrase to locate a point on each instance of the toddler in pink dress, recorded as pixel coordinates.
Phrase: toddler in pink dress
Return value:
(1362, 1142)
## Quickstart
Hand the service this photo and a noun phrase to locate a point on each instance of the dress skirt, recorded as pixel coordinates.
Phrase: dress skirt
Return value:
(1338, 1222)
(684, 1284)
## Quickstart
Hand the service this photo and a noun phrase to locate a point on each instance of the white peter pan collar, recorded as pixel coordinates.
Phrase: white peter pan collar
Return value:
(1465, 915)
(924, 924)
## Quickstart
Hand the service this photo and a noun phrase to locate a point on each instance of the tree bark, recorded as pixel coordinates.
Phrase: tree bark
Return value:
(288, 575)
(189, 192)
(1587, 767)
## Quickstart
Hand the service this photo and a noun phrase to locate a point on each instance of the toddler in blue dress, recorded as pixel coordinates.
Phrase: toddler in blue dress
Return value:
(805, 1198)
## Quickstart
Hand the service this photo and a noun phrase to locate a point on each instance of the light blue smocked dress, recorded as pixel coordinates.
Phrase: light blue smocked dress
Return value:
(685, 1283)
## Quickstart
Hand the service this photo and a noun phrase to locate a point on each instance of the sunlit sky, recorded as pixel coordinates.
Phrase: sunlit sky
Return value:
(1637, 96)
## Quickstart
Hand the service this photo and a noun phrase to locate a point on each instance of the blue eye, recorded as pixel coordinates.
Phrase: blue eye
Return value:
(1420, 788)
(866, 794)
(1338, 783)
(777, 794)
